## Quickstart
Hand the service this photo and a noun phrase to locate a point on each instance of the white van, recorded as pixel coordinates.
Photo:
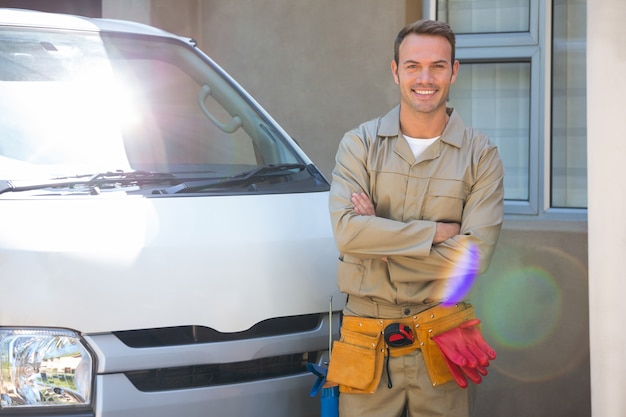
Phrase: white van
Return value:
(165, 247)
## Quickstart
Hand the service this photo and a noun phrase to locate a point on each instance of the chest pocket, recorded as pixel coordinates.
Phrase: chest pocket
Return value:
(445, 199)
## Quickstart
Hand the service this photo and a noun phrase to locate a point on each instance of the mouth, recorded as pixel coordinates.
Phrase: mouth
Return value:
(425, 92)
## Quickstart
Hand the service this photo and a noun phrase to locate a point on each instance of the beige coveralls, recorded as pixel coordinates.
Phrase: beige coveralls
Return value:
(459, 178)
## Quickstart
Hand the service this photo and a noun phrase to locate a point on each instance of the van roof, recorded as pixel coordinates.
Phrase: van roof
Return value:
(38, 19)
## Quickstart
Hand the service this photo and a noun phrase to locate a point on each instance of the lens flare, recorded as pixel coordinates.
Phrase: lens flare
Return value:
(461, 279)
(516, 325)
(533, 305)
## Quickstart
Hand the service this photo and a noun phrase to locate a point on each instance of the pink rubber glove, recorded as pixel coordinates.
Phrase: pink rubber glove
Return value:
(466, 352)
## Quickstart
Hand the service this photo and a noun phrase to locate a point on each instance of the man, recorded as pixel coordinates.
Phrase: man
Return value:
(416, 204)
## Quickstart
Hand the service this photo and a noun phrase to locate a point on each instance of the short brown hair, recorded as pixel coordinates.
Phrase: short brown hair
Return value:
(425, 27)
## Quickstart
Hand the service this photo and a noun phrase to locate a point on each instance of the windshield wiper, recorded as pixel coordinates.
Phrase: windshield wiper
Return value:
(244, 178)
(127, 177)
(99, 179)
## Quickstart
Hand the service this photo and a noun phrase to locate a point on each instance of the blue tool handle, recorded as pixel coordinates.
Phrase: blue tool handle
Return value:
(330, 402)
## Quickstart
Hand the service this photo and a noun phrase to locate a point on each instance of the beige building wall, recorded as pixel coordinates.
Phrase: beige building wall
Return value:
(135, 10)
(314, 65)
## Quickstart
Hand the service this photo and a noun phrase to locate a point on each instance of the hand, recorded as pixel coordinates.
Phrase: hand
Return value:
(466, 352)
(363, 205)
(446, 231)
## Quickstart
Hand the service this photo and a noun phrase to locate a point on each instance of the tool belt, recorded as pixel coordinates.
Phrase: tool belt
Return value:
(358, 357)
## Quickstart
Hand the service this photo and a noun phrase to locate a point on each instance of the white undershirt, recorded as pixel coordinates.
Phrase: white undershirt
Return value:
(418, 146)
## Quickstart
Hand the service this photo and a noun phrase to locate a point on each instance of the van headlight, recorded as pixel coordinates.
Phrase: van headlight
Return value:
(44, 368)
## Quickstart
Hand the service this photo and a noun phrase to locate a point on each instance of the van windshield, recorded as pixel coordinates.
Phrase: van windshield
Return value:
(76, 104)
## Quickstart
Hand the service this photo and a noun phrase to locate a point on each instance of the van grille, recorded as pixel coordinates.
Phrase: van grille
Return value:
(196, 376)
(187, 335)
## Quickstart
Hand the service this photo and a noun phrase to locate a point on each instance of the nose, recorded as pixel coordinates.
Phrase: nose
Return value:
(424, 76)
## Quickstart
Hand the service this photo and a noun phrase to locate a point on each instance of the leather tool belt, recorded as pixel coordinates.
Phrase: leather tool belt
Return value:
(357, 358)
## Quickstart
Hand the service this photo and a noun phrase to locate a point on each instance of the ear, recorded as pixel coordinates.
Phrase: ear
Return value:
(394, 71)
(455, 71)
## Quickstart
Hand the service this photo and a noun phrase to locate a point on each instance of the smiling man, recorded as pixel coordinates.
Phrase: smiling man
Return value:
(416, 206)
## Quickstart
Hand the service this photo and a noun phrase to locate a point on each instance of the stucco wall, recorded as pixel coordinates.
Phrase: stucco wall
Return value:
(320, 67)
(533, 304)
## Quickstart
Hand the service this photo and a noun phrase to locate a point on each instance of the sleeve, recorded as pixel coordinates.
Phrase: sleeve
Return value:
(369, 236)
(470, 252)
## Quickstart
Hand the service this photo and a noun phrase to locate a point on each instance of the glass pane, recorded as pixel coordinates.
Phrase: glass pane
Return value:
(485, 16)
(569, 103)
(495, 99)
(76, 105)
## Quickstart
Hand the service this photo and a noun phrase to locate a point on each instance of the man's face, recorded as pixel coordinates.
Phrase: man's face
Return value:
(424, 72)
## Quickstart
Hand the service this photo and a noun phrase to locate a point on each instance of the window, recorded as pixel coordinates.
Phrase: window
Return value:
(89, 105)
(531, 103)
(569, 104)
(485, 16)
(496, 98)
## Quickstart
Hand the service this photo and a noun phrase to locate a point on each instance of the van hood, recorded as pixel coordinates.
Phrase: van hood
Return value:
(109, 263)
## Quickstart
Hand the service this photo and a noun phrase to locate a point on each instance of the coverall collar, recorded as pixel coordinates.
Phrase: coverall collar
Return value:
(452, 134)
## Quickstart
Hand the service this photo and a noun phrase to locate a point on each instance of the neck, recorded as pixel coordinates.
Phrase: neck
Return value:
(423, 125)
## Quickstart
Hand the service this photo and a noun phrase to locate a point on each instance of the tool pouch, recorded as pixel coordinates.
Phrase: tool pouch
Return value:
(439, 321)
(357, 357)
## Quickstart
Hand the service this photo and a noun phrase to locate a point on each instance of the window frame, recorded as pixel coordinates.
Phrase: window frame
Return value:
(534, 46)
